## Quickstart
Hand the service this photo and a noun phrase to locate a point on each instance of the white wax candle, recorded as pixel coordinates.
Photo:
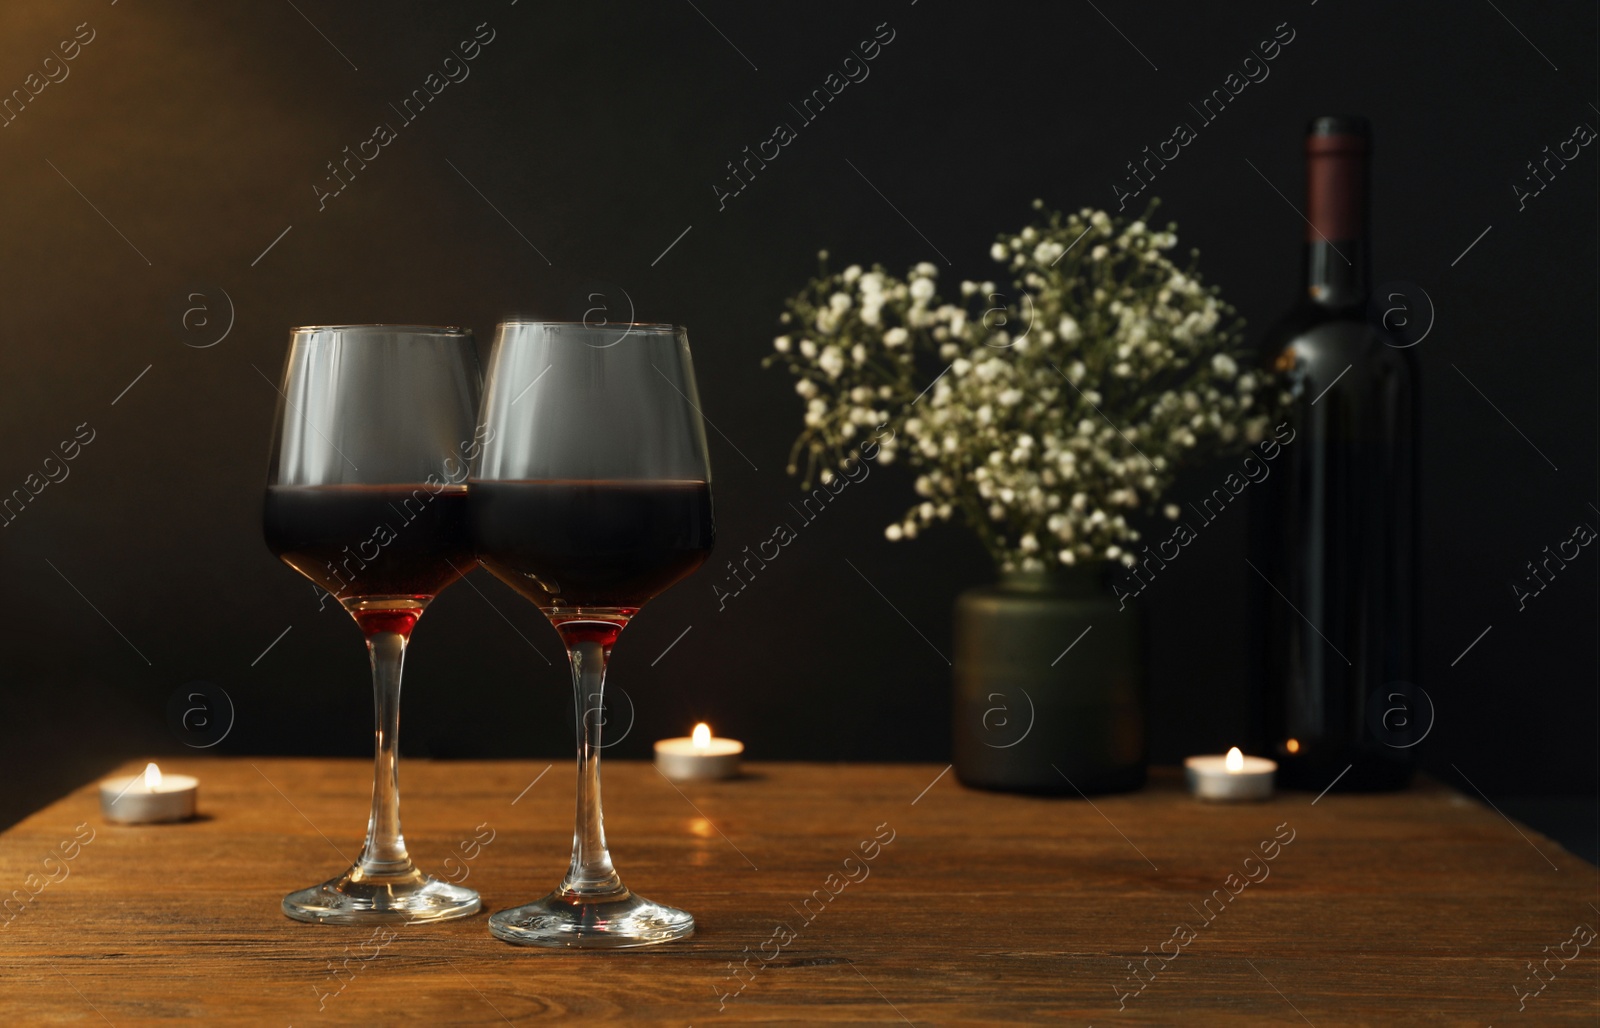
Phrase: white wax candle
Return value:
(148, 797)
(1231, 777)
(699, 757)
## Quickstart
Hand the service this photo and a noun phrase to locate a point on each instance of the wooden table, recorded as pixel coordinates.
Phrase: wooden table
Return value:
(1422, 907)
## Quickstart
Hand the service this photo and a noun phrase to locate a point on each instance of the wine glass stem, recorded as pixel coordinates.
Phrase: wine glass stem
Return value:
(385, 849)
(591, 876)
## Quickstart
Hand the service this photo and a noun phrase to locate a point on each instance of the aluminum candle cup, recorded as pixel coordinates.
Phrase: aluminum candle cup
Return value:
(699, 757)
(149, 797)
(1230, 778)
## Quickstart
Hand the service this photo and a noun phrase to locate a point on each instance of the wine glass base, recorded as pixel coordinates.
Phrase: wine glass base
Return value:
(612, 924)
(354, 898)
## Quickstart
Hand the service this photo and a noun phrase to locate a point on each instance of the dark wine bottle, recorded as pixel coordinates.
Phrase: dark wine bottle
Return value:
(1335, 540)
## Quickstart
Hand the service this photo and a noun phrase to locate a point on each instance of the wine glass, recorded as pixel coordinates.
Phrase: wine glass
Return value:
(366, 496)
(591, 497)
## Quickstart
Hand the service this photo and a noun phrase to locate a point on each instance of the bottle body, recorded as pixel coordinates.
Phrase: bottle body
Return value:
(1335, 535)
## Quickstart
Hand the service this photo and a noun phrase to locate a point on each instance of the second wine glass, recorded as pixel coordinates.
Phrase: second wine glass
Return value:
(592, 496)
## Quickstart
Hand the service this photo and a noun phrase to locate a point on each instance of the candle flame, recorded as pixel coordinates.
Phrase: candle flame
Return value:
(1293, 745)
(702, 736)
(152, 777)
(1234, 761)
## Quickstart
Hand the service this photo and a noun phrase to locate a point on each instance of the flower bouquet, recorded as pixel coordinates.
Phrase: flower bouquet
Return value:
(1043, 413)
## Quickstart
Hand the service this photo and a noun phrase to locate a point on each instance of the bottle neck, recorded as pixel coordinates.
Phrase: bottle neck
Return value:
(1338, 273)
(1337, 268)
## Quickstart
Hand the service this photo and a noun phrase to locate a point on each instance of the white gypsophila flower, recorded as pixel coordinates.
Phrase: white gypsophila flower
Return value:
(1050, 412)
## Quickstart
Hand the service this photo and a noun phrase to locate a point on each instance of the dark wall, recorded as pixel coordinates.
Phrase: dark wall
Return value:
(189, 136)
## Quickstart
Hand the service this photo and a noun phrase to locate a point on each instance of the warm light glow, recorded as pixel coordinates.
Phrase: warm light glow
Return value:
(152, 777)
(701, 736)
(1235, 761)
(1293, 745)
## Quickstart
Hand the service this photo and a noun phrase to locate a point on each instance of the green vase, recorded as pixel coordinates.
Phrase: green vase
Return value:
(1049, 685)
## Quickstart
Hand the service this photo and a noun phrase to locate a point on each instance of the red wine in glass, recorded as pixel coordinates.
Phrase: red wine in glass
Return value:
(360, 542)
(609, 545)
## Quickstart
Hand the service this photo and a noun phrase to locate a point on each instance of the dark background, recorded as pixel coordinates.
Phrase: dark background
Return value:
(596, 131)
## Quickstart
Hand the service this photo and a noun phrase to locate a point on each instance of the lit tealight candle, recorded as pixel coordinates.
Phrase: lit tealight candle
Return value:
(147, 797)
(1234, 777)
(699, 757)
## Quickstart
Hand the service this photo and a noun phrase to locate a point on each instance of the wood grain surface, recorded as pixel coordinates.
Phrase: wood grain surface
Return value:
(825, 894)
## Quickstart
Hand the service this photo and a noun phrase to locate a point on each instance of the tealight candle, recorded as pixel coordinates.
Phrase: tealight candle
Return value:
(147, 797)
(1234, 777)
(699, 757)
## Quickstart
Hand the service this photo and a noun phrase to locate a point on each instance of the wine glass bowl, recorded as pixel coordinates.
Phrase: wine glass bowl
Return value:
(366, 497)
(592, 496)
